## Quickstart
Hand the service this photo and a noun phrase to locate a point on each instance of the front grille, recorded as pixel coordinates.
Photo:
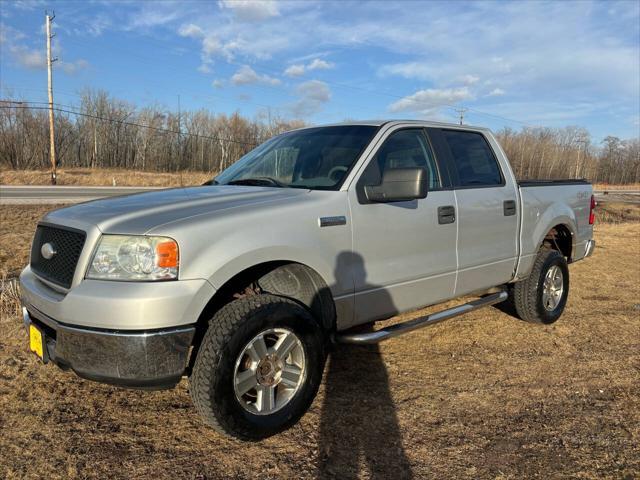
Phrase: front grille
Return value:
(67, 243)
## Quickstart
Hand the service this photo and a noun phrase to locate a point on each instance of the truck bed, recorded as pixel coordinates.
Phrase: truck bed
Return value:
(544, 202)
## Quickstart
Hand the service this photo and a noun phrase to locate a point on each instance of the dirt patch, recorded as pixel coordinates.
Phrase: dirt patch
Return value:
(481, 396)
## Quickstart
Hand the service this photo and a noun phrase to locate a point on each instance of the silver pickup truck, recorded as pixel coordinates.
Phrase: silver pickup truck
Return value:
(242, 284)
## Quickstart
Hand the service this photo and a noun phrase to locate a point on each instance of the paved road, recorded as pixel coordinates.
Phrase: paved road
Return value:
(45, 194)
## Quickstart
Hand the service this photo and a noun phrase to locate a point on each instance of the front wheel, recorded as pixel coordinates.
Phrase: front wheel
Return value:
(542, 296)
(259, 366)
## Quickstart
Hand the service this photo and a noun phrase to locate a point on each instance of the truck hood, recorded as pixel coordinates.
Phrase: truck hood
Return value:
(139, 213)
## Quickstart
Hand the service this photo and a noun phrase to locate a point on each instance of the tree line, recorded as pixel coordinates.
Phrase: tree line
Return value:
(569, 152)
(105, 132)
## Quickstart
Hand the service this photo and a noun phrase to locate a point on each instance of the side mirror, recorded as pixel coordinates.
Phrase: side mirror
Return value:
(398, 185)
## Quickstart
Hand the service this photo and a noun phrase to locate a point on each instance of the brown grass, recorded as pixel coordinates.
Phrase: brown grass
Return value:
(607, 186)
(104, 177)
(481, 396)
(615, 212)
(134, 178)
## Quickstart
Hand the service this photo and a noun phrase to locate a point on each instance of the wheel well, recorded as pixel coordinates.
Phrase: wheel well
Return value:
(287, 279)
(560, 238)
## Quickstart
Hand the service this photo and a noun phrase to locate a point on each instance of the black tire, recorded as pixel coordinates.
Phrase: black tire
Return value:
(230, 329)
(527, 294)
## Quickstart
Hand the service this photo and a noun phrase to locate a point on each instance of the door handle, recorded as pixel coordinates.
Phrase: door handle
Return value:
(446, 214)
(509, 208)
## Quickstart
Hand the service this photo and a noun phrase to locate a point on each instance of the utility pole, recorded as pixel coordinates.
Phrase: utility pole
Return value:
(52, 146)
(461, 111)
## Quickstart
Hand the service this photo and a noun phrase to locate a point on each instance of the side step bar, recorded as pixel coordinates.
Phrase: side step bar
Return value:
(400, 328)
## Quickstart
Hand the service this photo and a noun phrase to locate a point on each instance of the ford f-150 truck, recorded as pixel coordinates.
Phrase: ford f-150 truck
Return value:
(242, 284)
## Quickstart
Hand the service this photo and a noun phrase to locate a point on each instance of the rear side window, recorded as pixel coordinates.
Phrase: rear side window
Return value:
(473, 159)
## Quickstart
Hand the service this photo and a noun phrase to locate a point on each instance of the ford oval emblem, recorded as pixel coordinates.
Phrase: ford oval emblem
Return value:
(48, 250)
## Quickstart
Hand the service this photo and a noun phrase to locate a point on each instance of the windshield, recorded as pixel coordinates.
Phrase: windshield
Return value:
(314, 158)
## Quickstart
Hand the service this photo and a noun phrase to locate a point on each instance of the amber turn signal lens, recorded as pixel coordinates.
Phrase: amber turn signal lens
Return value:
(167, 254)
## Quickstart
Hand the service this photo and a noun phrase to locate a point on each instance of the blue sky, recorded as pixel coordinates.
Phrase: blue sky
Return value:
(510, 63)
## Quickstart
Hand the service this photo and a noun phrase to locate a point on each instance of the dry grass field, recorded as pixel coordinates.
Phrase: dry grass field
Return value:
(481, 396)
(104, 177)
(132, 178)
(606, 186)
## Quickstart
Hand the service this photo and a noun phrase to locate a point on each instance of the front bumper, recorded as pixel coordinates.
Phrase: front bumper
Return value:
(110, 305)
(152, 359)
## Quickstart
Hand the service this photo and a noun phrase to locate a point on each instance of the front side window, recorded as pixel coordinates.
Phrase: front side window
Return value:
(403, 149)
(313, 158)
(473, 158)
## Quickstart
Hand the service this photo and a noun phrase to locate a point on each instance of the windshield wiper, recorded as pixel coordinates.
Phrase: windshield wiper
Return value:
(210, 182)
(258, 181)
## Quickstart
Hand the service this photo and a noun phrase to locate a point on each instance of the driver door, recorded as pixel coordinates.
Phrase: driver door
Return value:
(405, 251)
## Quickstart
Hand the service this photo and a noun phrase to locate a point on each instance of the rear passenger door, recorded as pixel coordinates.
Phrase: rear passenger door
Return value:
(486, 211)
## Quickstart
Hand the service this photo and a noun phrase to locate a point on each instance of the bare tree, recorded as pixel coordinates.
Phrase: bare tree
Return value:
(111, 133)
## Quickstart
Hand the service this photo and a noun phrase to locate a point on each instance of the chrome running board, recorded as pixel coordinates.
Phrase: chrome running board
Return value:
(401, 328)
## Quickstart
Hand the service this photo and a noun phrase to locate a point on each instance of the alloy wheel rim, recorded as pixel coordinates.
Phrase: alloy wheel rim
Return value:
(269, 371)
(552, 288)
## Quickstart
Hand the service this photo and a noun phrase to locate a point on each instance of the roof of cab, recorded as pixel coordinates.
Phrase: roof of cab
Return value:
(379, 123)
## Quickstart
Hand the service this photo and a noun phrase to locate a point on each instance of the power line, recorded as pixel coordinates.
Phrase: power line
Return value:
(461, 111)
(124, 122)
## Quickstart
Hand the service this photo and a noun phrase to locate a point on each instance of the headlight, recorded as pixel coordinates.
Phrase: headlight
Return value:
(142, 258)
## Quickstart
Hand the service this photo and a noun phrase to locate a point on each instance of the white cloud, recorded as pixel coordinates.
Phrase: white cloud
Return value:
(312, 96)
(251, 10)
(319, 64)
(417, 70)
(496, 92)
(217, 83)
(552, 53)
(157, 16)
(299, 69)
(28, 58)
(430, 100)
(190, 30)
(247, 76)
(93, 26)
(35, 59)
(205, 67)
(295, 71)
(311, 56)
(211, 46)
(469, 79)
(28, 4)
(10, 35)
(71, 68)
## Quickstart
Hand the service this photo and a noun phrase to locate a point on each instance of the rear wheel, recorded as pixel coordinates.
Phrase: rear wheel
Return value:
(542, 296)
(258, 367)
